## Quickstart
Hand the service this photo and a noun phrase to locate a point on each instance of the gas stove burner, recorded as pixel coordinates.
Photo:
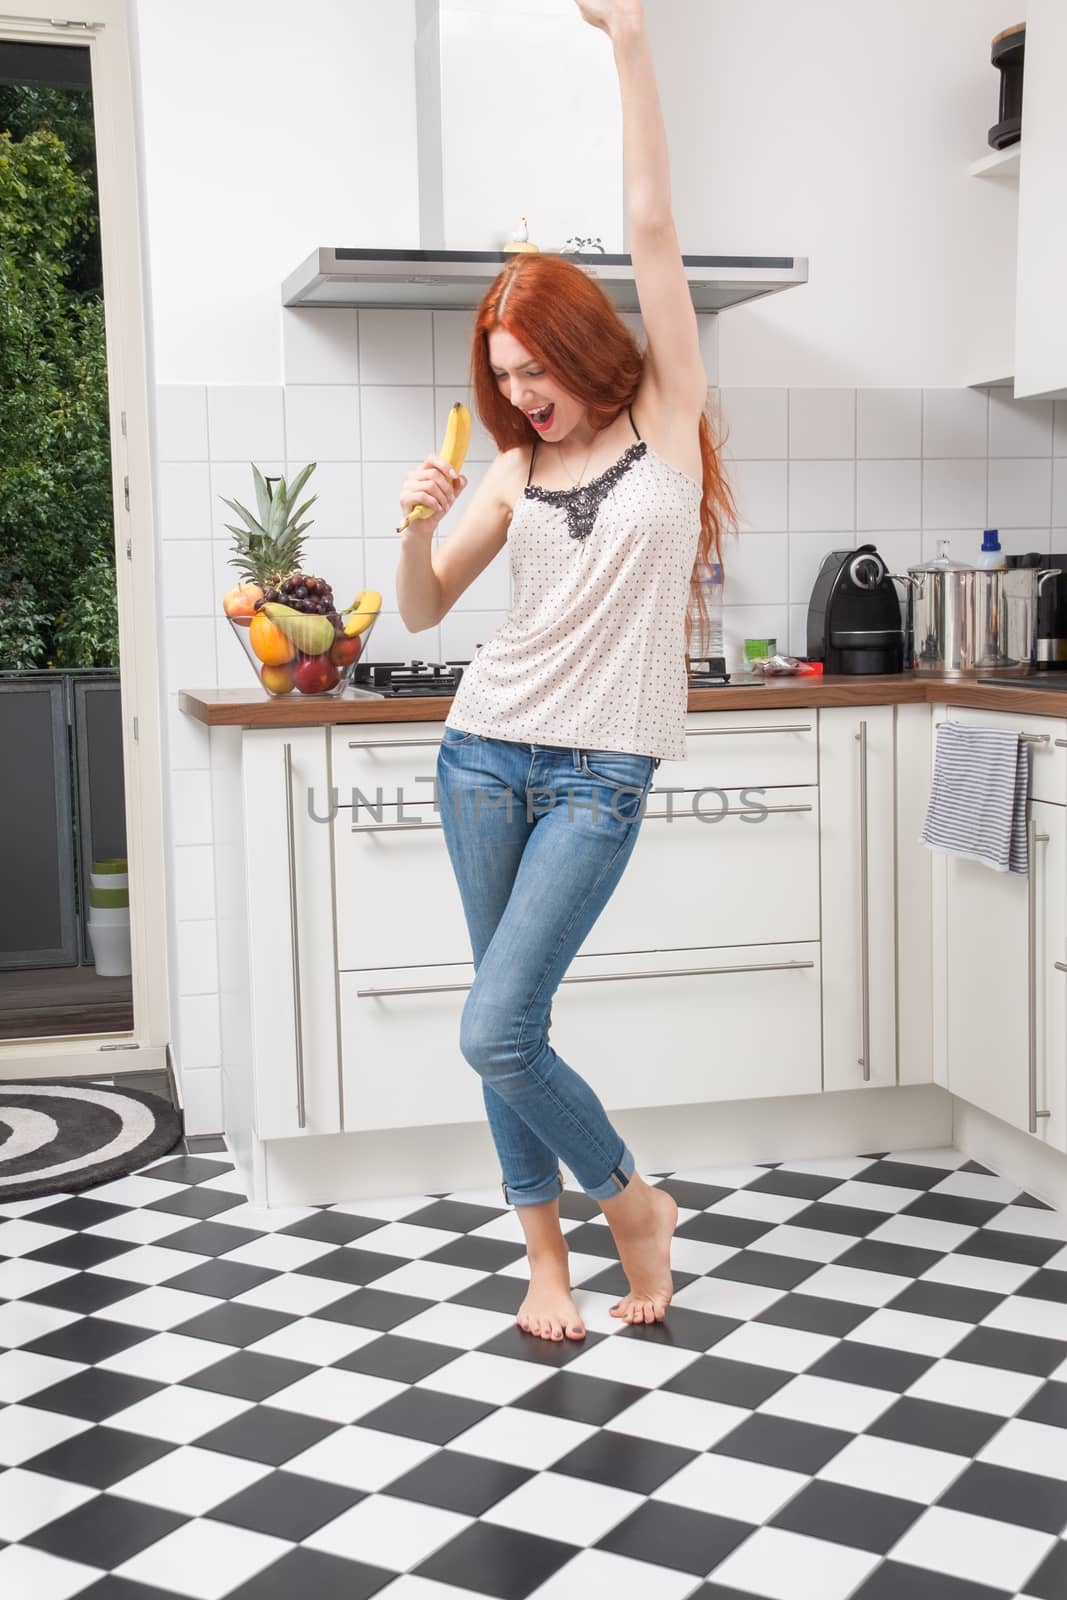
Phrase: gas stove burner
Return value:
(413, 678)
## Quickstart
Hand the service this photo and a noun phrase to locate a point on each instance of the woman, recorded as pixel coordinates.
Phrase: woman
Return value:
(561, 719)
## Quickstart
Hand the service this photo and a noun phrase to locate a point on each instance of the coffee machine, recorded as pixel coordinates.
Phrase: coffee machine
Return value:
(854, 615)
(1050, 644)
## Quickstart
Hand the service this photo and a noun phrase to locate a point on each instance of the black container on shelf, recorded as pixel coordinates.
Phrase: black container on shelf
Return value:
(1007, 55)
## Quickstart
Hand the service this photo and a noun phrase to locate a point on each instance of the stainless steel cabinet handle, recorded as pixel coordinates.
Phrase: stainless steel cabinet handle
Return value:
(778, 727)
(385, 744)
(294, 933)
(865, 962)
(1033, 838)
(785, 727)
(607, 977)
(650, 816)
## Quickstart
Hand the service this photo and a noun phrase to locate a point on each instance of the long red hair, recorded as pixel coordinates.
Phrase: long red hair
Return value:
(565, 319)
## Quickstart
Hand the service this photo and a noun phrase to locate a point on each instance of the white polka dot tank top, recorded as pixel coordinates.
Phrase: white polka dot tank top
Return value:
(592, 652)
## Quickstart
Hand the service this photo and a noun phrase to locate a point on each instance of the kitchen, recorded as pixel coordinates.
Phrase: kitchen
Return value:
(859, 1044)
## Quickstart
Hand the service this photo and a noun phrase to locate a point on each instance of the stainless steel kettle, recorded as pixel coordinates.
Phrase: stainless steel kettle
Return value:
(962, 619)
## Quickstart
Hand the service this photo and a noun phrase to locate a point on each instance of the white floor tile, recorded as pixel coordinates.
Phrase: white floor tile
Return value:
(386, 1532)
(204, 1560)
(190, 1481)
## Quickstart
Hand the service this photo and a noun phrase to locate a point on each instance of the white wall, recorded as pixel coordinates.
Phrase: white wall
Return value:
(270, 127)
(842, 130)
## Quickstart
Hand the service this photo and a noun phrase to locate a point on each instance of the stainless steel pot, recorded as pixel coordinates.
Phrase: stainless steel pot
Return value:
(962, 620)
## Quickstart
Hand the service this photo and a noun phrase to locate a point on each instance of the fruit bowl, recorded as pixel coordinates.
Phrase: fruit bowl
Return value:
(301, 654)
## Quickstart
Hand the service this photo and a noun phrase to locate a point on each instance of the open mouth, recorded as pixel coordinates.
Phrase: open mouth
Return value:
(542, 418)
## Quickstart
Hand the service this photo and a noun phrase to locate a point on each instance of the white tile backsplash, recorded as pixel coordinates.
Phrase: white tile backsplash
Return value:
(756, 423)
(245, 422)
(1059, 492)
(184, 492)
(181, 421)
(757, 569)
(822, 424)
(398, 423)
(760, 491)
(321, 423)
(954, 492)
(888, 495)
(188, 576)
(189, 653)
(955, 422)
(452, 335)
(1020, 492)
(396, 346)
(822, 495)
(320, 345)
(1059, 429)
(1019, 427)
(889, 423)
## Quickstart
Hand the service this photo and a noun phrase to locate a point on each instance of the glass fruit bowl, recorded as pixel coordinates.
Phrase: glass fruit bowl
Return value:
(304, 654)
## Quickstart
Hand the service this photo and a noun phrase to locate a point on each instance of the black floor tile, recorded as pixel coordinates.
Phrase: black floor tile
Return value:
(106, 1531)
(100, 1457)
(286, 1505)
(92, 1339)
(267, 1435)
(250, 1375)
(95, 1394)
(312, 1575)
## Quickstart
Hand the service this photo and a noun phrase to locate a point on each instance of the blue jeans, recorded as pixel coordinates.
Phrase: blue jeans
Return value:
(538, 837)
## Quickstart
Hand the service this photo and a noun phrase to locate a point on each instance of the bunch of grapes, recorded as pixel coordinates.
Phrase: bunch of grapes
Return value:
(304, 592)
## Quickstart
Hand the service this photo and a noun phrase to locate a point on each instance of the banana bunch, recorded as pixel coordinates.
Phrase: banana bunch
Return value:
(453, 448)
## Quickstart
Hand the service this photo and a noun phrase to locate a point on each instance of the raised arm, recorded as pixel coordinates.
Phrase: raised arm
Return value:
(672, 339)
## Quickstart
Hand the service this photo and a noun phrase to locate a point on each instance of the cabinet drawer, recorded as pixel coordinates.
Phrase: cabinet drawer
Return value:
(751, 873)
(1048, 759)
(398, 904)
(725, 750)
(669, 1028)
(735, 749)
(397, 758)
(746, 878)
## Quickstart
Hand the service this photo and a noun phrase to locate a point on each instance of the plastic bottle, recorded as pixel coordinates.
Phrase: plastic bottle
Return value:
(710, 580)
(991, 557)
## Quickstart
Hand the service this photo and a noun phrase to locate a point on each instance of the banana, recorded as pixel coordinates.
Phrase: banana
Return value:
(312, 634)
(453, 448)
(362, 612)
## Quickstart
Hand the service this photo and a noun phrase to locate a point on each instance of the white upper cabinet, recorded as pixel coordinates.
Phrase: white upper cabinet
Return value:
(1040, 306)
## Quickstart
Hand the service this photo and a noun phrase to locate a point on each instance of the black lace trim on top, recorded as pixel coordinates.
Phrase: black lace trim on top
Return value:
(583, 504)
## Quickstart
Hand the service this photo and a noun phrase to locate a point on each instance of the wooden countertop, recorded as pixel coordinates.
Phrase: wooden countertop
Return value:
(247, 709)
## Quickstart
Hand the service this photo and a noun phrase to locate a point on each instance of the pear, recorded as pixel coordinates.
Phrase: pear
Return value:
(314, 635)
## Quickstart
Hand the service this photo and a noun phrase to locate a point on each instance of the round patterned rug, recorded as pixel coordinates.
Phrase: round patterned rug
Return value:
(61, 1136)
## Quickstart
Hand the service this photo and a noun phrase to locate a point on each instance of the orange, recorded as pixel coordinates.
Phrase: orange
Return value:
(269, 642)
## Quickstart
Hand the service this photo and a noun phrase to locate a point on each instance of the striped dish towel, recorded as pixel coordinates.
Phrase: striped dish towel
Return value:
(978, 796)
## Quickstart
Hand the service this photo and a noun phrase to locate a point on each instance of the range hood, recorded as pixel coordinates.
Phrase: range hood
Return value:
(449, 280)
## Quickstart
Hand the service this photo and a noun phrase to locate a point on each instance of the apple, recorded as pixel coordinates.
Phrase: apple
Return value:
(240, 601)
(315, 675)
(277, 680)
(346, 649)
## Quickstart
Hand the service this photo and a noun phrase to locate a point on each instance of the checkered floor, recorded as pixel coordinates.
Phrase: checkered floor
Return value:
(860, 1390)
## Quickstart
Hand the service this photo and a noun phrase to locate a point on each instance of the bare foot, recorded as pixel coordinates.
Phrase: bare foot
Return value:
(646, 1261)
(549, 1310)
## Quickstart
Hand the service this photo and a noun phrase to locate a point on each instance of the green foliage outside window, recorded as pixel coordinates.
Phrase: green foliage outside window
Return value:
(57, 540)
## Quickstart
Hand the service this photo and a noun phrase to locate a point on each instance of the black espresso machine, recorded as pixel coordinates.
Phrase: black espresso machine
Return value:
(855, 622)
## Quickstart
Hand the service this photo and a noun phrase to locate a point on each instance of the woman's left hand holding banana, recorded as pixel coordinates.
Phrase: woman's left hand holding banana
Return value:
(609, 14)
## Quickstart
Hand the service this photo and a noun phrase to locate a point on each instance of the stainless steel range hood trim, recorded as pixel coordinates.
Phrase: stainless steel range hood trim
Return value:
(449, 280)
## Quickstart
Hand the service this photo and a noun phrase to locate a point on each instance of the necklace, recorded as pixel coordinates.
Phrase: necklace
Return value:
(576, 481)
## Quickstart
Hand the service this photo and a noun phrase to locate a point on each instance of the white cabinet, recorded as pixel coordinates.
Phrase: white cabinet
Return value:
(292, 999)
(1040, 322)
(667, 1027)
(1001, 1004)
(857, 830)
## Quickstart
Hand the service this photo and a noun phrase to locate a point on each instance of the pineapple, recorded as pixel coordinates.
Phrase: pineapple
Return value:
(269, 550)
